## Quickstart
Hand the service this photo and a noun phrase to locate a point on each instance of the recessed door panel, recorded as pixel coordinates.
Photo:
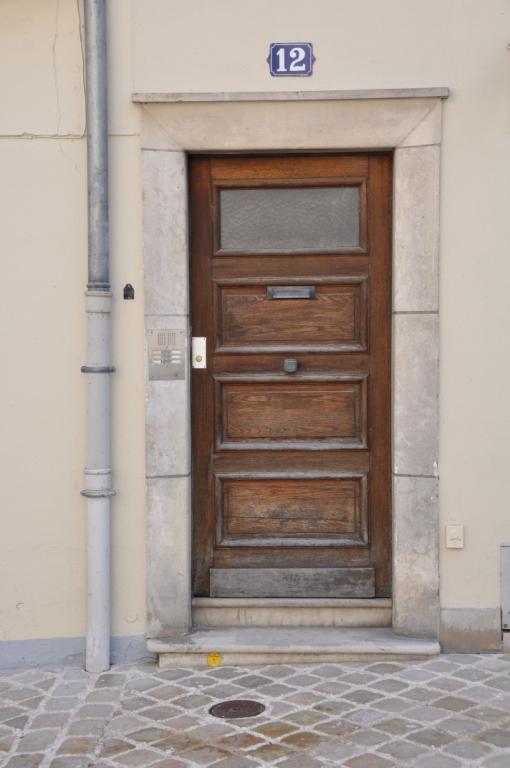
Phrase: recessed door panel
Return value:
(301, 413)
(276, 316)
(276, 512)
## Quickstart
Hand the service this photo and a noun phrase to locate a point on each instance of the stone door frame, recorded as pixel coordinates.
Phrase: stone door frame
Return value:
(405, 121)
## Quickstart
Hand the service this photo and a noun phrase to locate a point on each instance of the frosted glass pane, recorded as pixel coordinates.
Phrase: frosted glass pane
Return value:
(318, 218)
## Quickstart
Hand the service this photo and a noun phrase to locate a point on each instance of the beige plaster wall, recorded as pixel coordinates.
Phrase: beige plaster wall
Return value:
(44, 273)
(171, 45)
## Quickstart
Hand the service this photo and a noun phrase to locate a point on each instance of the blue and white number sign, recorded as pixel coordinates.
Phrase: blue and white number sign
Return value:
(290, 59)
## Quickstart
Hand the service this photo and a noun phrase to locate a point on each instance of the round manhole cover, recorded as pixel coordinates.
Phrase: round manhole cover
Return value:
(237, 708)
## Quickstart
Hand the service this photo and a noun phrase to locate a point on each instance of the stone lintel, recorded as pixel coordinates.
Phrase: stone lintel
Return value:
(149, 97)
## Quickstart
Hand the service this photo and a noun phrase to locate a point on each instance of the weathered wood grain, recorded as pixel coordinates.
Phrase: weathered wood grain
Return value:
(292, 582)
(275, 452)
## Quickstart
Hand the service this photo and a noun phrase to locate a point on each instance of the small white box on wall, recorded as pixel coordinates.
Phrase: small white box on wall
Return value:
(455, 537)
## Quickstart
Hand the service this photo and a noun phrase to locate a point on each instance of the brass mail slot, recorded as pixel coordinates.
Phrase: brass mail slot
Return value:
(291, 291)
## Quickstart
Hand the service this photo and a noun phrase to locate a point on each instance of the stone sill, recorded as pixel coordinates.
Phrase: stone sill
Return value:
(297, 602)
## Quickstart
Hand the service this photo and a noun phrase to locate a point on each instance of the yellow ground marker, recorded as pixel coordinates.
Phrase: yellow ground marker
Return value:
(214, 659)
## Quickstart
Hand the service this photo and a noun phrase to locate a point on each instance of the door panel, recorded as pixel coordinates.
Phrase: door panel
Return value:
(276, 317)
(296, 512)
(290, 284)
(303, 413)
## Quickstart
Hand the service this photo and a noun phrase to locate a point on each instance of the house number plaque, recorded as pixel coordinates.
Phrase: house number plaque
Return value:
(290, 59)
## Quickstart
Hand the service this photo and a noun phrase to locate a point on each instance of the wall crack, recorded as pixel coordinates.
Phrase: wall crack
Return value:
(55, 68)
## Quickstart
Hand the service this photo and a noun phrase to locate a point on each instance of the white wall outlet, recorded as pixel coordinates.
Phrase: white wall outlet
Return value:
(455, 537)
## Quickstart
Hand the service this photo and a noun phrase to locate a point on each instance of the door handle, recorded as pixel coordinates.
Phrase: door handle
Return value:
(290, 365)
(290, 292)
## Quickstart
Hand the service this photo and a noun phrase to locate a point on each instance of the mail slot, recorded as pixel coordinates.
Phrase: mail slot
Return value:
(291, 291)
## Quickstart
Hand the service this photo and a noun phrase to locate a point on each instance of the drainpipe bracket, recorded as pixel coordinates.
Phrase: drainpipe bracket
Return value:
(89, 494)
(98, 302)
(98, 288)
(97, 369)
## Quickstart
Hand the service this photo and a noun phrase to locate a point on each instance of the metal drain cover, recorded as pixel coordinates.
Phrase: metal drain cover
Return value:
(237, 708)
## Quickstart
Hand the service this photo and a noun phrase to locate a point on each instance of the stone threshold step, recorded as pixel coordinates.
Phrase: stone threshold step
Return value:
(291, 612)
(287, 645)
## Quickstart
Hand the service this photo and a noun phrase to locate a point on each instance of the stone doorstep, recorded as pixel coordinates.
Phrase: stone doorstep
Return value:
(286, 645)
(274, 612)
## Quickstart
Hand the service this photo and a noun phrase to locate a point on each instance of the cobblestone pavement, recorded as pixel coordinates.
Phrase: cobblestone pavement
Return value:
(445, 712)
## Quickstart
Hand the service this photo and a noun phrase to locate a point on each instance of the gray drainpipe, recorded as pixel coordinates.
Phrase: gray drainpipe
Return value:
(98, 299)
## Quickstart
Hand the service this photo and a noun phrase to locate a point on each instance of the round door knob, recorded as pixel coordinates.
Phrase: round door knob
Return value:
(290, 365)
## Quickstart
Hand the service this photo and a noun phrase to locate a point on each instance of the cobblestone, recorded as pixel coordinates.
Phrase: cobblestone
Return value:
(442, 713)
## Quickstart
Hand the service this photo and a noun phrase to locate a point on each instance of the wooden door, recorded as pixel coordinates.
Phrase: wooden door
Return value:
(290, 286)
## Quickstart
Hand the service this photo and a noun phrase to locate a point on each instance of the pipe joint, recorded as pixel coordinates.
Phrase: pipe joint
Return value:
(97, 369)
(101, 494)
(98, 302)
